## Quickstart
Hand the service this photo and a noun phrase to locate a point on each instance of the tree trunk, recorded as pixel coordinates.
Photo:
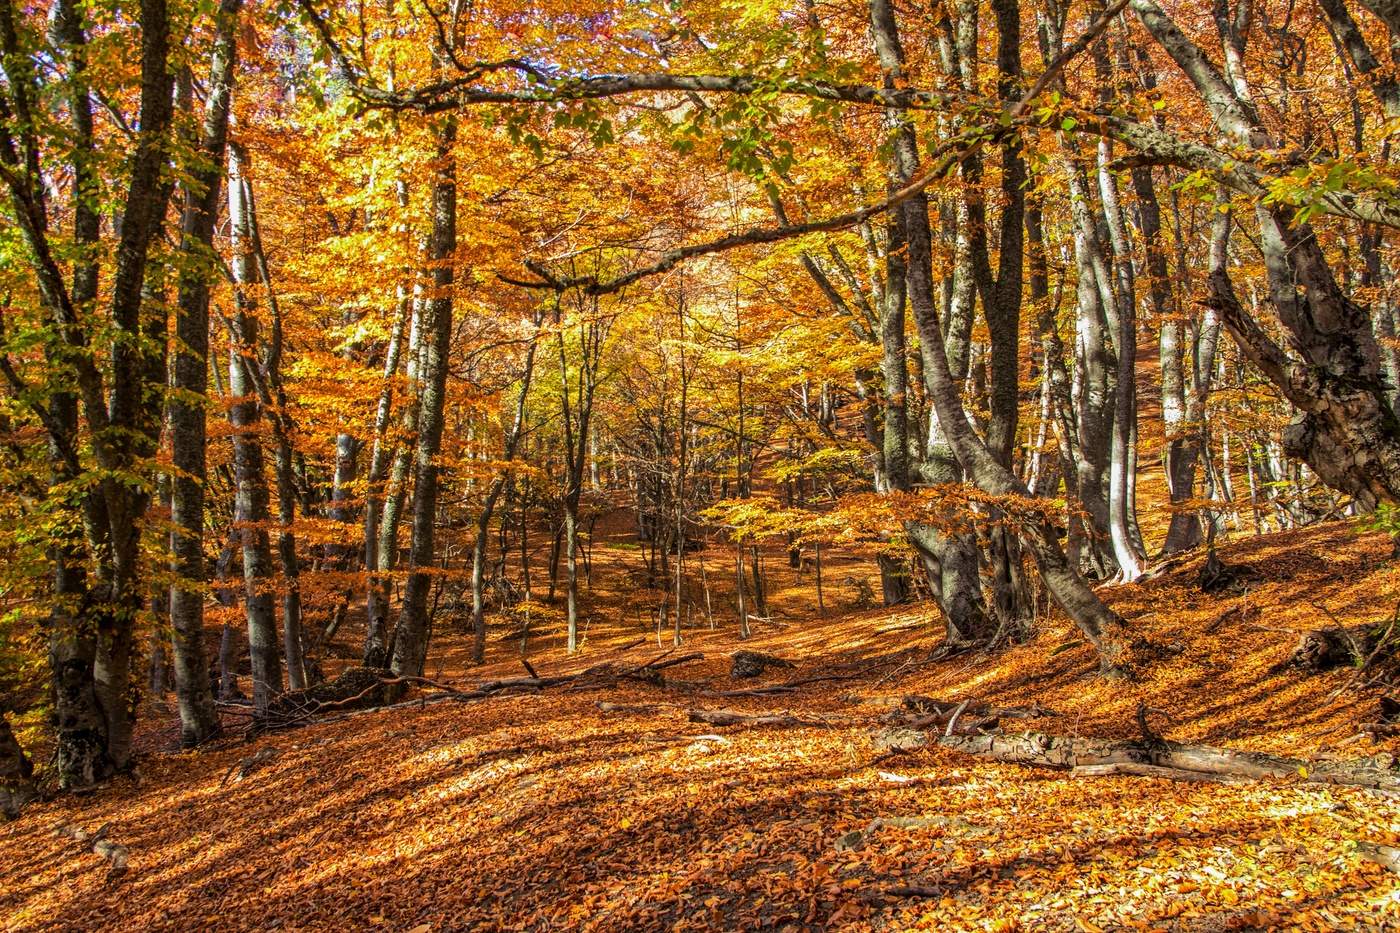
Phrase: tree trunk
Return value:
(951, 557)
(1347, 431)
(488, 507)
(187, 406)
(387, 547)
(16, 773)
(251, 508)
(411, 640)
(273, 397)
(380, 453)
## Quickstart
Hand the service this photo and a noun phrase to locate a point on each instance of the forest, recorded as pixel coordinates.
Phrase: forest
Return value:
(699, 464)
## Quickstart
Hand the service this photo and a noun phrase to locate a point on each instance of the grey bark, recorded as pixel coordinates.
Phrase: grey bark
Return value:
(395, 493)
(251, 505)
(381, 452)
(188, 404)
(1347, 431)
(950, 557)
(410, 647)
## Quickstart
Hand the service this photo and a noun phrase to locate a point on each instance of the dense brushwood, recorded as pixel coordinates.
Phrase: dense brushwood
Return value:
(354, 687)
(1354, 646)
(746, 664)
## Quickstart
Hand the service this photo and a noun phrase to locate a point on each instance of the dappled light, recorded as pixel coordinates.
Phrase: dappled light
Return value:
(539, 809)
(699, 465)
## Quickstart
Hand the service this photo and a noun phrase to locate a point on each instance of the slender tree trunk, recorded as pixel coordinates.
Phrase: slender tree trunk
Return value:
(381, 451)
(488, 507)
(376, 643)
(251, 510)
(228, 637)
(273, 397)
(411, 641)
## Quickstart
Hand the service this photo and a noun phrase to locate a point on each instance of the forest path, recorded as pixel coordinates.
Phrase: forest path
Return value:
(540, 811)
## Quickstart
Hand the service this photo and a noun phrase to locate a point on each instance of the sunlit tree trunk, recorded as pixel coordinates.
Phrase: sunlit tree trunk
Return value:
(272, 395)
(951, 558)
(381, 452)
(410, 648)
(251, 509)
(377, 647)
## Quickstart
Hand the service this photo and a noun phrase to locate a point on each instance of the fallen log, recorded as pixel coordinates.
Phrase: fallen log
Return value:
(1384, 856)
(99, 844)
(729, 717)
(1142, 770)
(1039, 749)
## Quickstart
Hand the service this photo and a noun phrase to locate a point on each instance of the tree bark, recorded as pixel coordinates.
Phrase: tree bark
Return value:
(16, 773)
(387, 548)
(488, 507)
(1347, 431)
(381, 452)
(188, 402)
(950, 556)
(251, 507)
(411, 640)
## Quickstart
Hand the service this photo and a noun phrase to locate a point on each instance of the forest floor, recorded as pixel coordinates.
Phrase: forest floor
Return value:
(541, 811)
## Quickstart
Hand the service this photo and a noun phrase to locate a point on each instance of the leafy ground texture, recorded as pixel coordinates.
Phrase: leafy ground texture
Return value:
(543, 811)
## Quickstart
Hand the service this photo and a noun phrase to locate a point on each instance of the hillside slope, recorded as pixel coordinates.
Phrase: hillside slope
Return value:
(541, 811)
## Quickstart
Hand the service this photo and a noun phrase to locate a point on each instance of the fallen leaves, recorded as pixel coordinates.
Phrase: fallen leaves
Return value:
(541, 811)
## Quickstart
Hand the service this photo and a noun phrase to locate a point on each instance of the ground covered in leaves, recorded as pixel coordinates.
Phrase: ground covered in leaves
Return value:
(543, 811)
